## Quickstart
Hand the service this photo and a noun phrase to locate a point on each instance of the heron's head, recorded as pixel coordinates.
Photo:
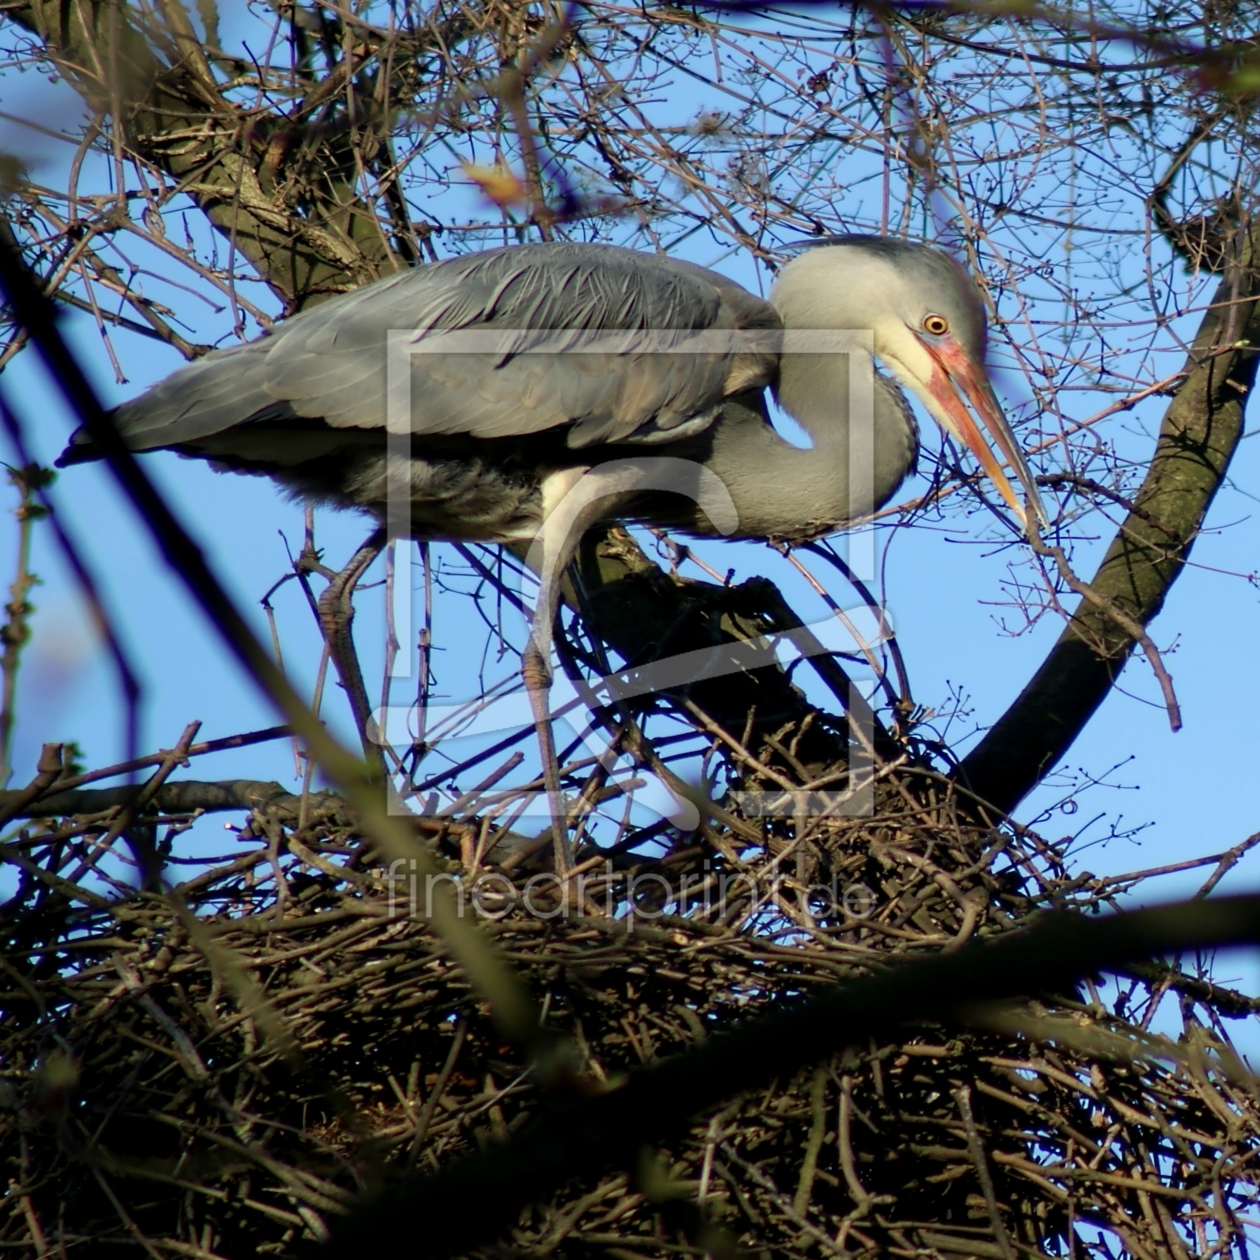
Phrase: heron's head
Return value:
(928, 327)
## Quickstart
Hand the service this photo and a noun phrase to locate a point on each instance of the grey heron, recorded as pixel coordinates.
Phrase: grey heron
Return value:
(494, 435)
(498, 436)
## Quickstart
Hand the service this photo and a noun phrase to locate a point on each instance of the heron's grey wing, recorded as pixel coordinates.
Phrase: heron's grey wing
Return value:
(494, 384)
(331, 362)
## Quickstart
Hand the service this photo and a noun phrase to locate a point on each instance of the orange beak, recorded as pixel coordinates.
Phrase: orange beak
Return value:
(956, 380)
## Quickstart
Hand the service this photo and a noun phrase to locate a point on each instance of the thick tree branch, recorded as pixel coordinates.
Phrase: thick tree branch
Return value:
(1197, 438)
(167, 108)
(181, 797)
(644, 615)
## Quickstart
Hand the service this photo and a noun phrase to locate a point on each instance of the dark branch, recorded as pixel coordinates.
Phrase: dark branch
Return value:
(185, 796)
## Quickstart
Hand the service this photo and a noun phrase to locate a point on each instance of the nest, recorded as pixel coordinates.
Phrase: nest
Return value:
(224, 1069)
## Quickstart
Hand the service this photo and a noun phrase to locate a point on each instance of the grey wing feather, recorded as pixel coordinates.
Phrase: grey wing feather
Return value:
(330, 362)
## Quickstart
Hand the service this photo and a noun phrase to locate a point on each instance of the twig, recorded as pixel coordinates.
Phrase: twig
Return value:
(962, 1097)
(46, 772)
(423, 662)
(391, 630)
(1228, 860)
(336, 620)
(887, 634)
(1091, 486)
(817, 1131)
(1130, 625)
(184, 796)
(156, 759)
(435, 1095)
(273, 628)
(128, 682)
(793, 1213)
(143, 852)
(16, 630)
(857, 1191)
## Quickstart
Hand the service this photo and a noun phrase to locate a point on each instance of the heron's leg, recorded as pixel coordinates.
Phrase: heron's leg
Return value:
(549, 556)
(536, 674)
(584, 496)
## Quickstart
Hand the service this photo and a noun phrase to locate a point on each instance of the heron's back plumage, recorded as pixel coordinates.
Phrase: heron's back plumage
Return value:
(330, 363)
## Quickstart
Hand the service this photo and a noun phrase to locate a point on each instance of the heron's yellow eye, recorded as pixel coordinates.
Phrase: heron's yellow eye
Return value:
(937, 325)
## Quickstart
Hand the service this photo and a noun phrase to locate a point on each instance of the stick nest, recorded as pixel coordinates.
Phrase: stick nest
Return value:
(223, 1069)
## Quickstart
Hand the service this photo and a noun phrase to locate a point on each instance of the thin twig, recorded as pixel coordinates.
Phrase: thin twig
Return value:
(16, 630)
(962, 1098)
(1129, 624)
